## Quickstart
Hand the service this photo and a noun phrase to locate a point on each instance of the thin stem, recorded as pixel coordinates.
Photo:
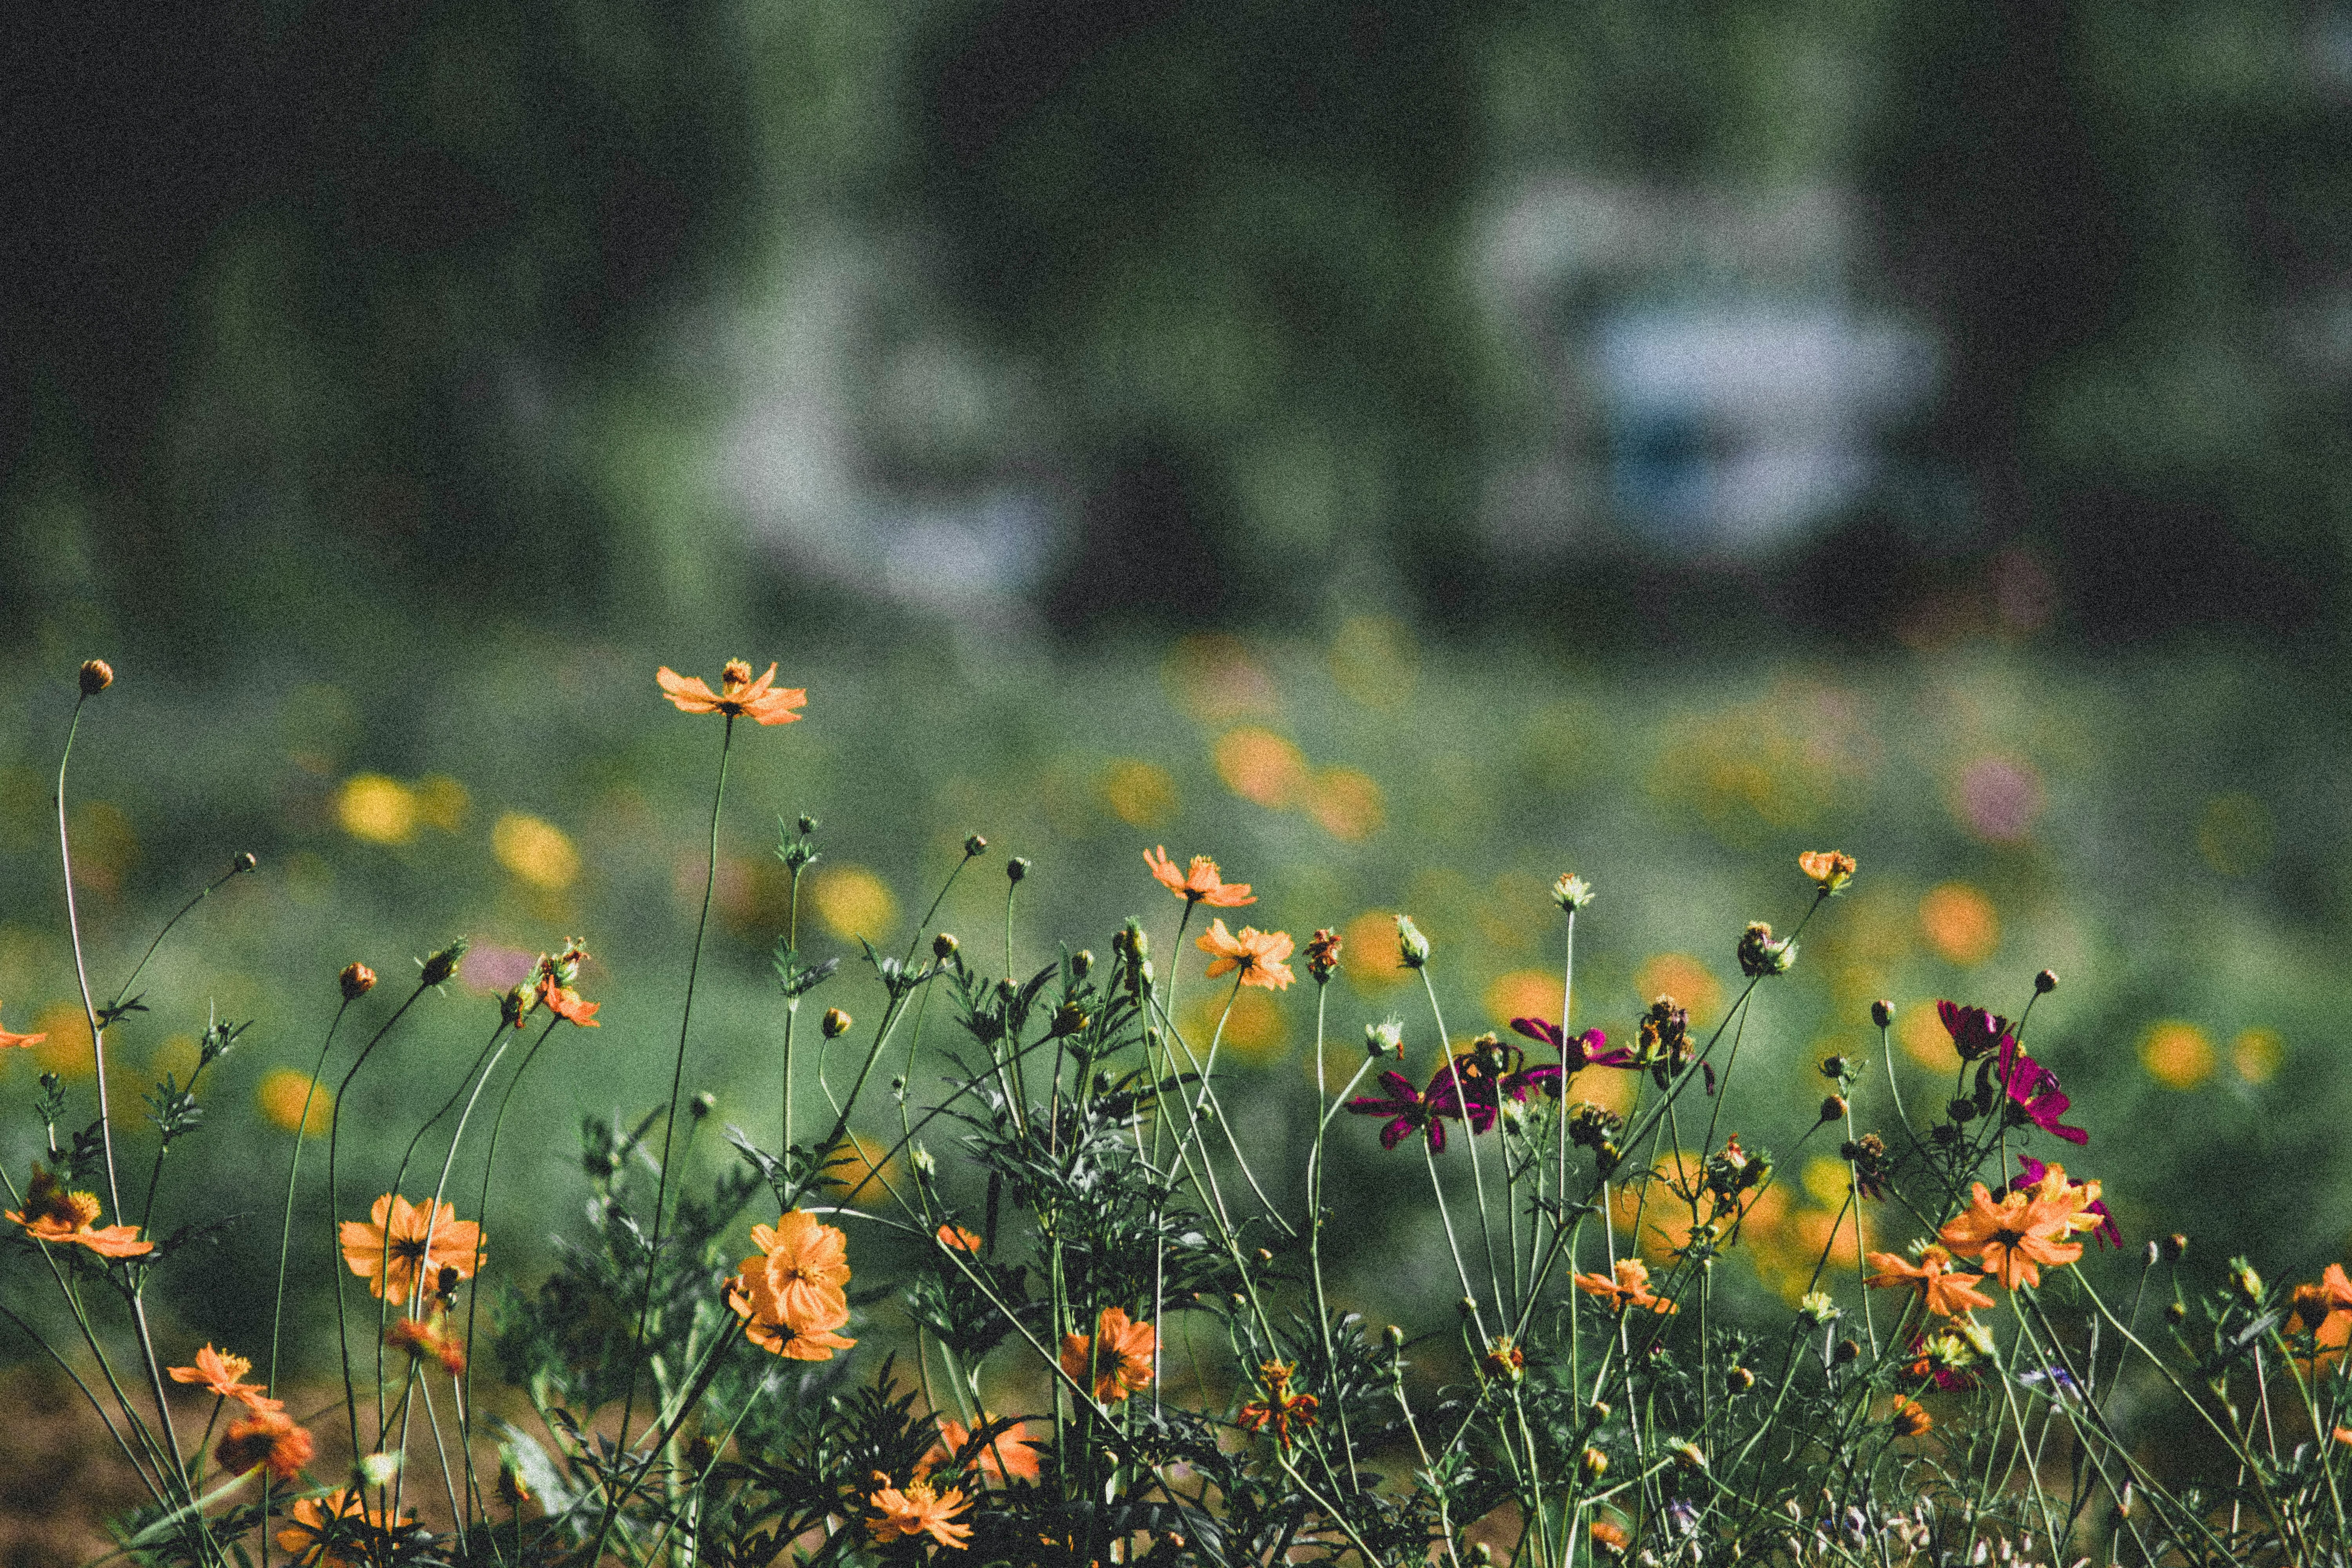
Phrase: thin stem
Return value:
(286, 1229)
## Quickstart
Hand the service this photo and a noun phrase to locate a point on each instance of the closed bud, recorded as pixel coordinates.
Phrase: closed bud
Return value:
(1600, 1411)
(245, 862)
(2045, 983)
(807, 824)
(1846, 1351)
(836, 1023)
(515, 1006)
(1594, 1463)
(944, 946)
(97, 675)
(1412, 946)
(357, 980)
(2175, 1313)
(1482, 1554)
(1395, 1336)
(440, 966)
(1384, 1039)
(2176, 1246)
(1882, 1013)
(1834, 1107)
(1689, 1455)
(1834, 1068)
(1016, 869)
(1740, 1379)
(703, 1103)
(1082, 963)
(1468, 1307)
(2249, 1283)
(974, 846)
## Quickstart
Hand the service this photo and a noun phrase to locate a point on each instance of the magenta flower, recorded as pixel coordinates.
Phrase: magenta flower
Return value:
(1975, 1032)
(1412, 1111)
(1584, 1051)
(2033, 1090)
(2108, 1232)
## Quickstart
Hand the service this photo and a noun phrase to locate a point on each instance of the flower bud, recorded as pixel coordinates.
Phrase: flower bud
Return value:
(1384, 1039)
(1571, 892)
(1466, 1307)
(97, 675)
(2045, 983)
(1600, 1411)
(1761, 954)
(1412, 946)
(1834, 1107)
(2176, 1248)
(1395, 1336)
(440, 966)
(245, 862)
(515, 1006)
(927, 1164)
(1882, 1013)
(1834, 1068)
(2175, 1313)
(1740, 1379)
(836, 1023)
(1846, 1351)
(1594, 1463)
(1689, 1455)
(1016, 868)
(1082, 963)
(807, 824)
(1961, 1109)
(357, 981)
(703, 1103)
(2249, 1283)
(974, 846)
(944, 946)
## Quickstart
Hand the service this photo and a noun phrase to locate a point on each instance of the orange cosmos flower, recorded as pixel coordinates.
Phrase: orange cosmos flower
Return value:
(2057, 1194)
(56, 1216)
(1280, 1409)
(1611, 1537)
(1830, 869)
(429, 1336)
(1946, 1293)
(1631, 1287)
(337, 1531)
(738, 695)
(1199, 885)
(8, 1039)
(265, 1437)
(2325, 1312)
(1119, 1355)
(1009, 1453)
(400, 1238)
(2015, 1239)
(960, 1239)
(1258, 954)
(1910, 1417)
(917, 1510)
(790, 1294)
(223, 1376)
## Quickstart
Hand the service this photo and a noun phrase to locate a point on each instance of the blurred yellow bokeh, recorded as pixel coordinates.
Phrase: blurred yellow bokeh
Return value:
(1140, 794)
(378, 809)
(1375, 661)
(442, 802)
(1348, 804)
(1959, 922)
(1261, 768)
(1255, 1030)
(67, 1051)
(867, 1171)
(2257, 1054)
(1523, 994)
(1213, 678)
(852, 902)
(1684, 978)
(1367, 952)
(1825, 1179)
(2178, 1054)
(282, 1094)
(540, 853)
(1921, 1034)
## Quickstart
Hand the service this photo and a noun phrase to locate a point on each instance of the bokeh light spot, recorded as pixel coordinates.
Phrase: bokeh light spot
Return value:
(1254, 1031)
(852, 902)
(1367, 952)
(1684, 978)
(280, 1094)
(104, 845)
(1523, 994)
(1825, 1179)
(442, 802)
(1261, 766)
(2257, 1054)
(378, 809)
(1921, 1034)
(1959, 922)
(1348, 804)
(67, 1052)
(2234, 835)
(1213, 678)
(1997, 799)
(1140, 794)
(2177, 1054)
(1375, 661)
(539, 852)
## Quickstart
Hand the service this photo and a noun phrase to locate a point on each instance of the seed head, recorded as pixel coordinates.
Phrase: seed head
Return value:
(1761, 954)
(1384, 1039)
(357, 981)
(97, 675)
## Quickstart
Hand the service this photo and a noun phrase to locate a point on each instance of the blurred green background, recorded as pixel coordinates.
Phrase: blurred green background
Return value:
(1405, 452)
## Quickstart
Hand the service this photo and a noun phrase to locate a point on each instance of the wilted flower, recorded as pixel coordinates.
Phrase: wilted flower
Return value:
(429, 1336)
(2033, 1092)
(1830, 869)
(267, 1436)
(1975, 1032)
(1323, 956)
(1281, 1409)
(1762, 954)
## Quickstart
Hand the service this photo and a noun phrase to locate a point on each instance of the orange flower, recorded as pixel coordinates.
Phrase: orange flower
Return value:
(963, 1240)
(1946, 1293)
(8, 1039)
(1199, 885)
(1119, 1355)
(1830, 869)
(917, 1510)
(1009, 1453)
(337, 1531)
(2015, 1239)
(1258, 954)
(399, 1238)
(555, 992)
(2057, 1194)
(1611, 1537)
(223, 1376)
(738, 695)
(1631, 1287)
(56, 1216)
(790, 1294)
(1910, 1417)
(1280, 1409)
(265, 1437)
(429, 1336)
(2325, 1311)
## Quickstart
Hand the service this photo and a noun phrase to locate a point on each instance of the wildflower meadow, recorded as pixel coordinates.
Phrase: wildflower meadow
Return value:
(998, 1247)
